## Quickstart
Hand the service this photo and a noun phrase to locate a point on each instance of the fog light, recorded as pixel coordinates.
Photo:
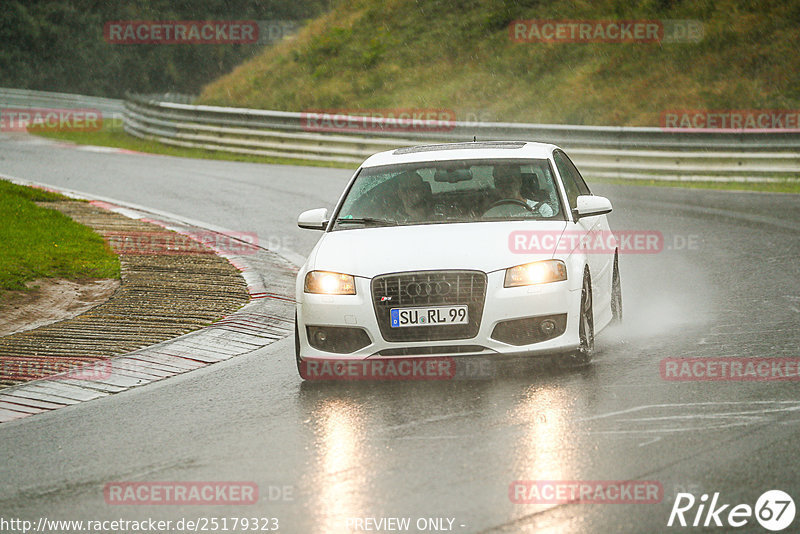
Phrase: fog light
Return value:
(528, 330)
(547, 327)
(337, 339)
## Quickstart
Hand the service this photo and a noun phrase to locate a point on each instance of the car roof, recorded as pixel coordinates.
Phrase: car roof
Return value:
(460, 151)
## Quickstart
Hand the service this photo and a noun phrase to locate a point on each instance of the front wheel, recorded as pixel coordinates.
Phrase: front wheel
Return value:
(585, 351)
(301, 368)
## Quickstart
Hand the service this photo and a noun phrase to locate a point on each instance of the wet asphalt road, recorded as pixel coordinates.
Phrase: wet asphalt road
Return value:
(726, 285)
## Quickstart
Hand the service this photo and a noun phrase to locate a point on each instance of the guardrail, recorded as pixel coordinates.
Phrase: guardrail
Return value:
(609, 152)
(26, 98)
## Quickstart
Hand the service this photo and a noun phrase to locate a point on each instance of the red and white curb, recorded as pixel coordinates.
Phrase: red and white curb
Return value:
(267, 318)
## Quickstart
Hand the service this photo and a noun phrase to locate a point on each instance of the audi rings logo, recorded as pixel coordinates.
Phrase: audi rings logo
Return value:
(427, 289)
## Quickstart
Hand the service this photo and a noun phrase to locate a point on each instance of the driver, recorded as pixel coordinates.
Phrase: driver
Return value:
(508, 184)
(415, 197)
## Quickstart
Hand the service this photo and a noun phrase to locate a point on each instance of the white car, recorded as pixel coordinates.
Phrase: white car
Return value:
(464, 249)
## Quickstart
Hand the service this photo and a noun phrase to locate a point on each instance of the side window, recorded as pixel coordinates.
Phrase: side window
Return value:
(570, 184)
(582, 187)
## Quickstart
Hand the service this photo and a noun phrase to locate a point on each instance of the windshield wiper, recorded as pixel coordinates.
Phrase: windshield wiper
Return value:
(366, 220)
(460, 219)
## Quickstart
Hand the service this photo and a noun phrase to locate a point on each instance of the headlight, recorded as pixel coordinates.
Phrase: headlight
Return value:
(329, 283)
(539, 272)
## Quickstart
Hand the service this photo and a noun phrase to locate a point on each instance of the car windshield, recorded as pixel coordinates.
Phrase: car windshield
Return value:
(451, 191)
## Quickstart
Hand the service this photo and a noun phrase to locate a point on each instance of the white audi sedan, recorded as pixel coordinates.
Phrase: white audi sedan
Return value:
(486, 249)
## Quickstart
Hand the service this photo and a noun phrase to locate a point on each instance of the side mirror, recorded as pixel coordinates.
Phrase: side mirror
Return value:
(316, 219)
(589, 205)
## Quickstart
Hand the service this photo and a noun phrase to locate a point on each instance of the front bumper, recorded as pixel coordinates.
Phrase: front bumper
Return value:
(501, 304)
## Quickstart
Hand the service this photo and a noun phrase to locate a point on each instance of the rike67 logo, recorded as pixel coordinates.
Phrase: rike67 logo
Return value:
(774, 510)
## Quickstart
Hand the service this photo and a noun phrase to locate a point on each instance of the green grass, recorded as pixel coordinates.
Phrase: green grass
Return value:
(459, 56)
(786, 186)
(36, 242)
(114, 136)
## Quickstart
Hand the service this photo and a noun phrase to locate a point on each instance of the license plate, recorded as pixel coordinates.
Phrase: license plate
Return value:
(434, 315)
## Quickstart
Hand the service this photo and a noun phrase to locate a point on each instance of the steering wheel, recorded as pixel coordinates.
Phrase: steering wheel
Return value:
(509, 201)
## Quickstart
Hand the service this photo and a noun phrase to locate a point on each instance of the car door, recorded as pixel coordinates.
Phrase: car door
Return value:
(595, 229)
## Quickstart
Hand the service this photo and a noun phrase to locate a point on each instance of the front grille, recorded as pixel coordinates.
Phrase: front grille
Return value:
(429, 288)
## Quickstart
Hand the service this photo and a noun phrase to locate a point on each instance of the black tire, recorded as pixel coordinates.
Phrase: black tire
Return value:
(583, 355)
(616, 293)
(586, 326)
(300, 368)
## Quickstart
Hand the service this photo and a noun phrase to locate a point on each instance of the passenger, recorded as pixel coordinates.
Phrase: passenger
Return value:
(415, 198)
(508, 185)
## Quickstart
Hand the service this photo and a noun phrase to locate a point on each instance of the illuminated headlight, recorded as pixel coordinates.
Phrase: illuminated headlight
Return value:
(540, 272)
(329, 283)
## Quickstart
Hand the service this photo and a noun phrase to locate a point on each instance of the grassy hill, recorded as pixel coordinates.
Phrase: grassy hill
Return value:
(459, 55)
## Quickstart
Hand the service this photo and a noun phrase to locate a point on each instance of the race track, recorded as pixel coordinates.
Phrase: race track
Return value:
(727, 284)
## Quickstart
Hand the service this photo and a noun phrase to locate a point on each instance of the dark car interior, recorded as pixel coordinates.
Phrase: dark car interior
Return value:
(451, 194)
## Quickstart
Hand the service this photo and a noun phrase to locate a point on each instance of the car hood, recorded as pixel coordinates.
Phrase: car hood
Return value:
(484, 246)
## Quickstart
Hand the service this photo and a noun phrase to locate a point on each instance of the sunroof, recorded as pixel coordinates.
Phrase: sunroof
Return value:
(460, 146)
